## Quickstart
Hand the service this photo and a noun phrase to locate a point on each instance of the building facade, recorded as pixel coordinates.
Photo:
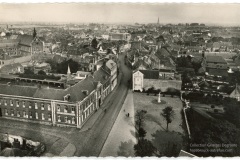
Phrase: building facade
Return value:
(70, 107)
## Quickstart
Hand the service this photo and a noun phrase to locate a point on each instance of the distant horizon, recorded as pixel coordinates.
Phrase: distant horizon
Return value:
(123, 13)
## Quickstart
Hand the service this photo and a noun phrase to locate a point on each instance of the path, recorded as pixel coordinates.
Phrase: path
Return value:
(122, 131)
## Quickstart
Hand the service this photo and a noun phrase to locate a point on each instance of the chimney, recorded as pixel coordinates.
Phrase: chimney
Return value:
(85, 92)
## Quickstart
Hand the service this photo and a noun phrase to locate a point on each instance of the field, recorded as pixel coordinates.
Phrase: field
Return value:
(154, 121)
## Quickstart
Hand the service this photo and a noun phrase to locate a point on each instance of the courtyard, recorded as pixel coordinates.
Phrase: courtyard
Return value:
(154, 121)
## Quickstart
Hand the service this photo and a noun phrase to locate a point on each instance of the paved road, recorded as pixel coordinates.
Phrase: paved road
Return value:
(92, 140)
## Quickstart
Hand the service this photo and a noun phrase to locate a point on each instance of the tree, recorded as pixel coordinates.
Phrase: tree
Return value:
(144, 148)
(41, 72)
(94, 43)
(167, 143)
(139, 123)
(168, 114)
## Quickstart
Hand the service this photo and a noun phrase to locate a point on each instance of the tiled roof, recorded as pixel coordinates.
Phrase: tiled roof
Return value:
(217, 59)
(150, 74)
(217, 72)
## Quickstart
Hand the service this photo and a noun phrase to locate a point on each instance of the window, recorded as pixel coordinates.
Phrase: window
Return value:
(65, 109)
(49, 117)
(30, 114)
(73, 120)
(30, 105)
(36, 114)
(65, 119)
(43, 118)
(12, 112)
(5, 102)
(18, 113)
(42, 106)
(58, 108)
(17, 103)
(24, 114)
(11, 102)
(49, 107)
(36, 106)
(73, 109)
(6, 112)
(0, 101)
(59, 118)
(23, 104)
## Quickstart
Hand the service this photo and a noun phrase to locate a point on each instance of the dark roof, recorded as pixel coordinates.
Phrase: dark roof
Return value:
(216, 59)
(76, 91)
(26, 39)
(150, 74)
(47, 93)
(17, 90)
(101, 75)
(217, 72)
(162, 53)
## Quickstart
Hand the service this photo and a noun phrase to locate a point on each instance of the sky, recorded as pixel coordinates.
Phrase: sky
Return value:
(223, 14)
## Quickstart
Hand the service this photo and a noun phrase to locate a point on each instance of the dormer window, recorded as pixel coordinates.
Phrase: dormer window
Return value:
(67, 97)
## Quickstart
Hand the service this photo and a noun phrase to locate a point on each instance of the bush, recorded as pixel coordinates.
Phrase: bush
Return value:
(216, 110)
(212, 106)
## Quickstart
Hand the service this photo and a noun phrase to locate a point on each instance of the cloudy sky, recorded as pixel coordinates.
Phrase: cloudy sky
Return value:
(225, 14)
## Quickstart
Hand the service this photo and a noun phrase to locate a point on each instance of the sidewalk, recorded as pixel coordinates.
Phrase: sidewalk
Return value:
(122, 133)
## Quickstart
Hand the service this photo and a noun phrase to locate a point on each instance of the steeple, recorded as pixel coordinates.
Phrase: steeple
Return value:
(34, 33)
(68, 71)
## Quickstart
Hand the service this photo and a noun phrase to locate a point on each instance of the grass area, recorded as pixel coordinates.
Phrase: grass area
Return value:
(154, 121)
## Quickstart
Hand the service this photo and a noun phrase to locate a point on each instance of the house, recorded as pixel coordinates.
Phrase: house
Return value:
(46, 67)
(12, 68)
(216, 62)
(111, 68)
(119, 36)
(163, 79)
(82, 75)
(30, 45)
(236, 93)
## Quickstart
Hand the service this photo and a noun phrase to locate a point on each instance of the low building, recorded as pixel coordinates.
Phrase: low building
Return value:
(119, 36)
(145, 79)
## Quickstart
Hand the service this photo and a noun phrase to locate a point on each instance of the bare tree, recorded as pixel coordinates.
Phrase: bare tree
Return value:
(168, 114)
(139, 123)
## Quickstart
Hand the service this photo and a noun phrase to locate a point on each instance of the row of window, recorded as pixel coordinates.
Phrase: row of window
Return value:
(42, 105)
(5, 102)
(26, 114)
(29, 114)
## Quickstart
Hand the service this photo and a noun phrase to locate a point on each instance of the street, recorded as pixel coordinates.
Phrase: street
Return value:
(93, 140)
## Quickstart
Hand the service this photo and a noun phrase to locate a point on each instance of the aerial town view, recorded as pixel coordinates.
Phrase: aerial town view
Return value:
(119, 80)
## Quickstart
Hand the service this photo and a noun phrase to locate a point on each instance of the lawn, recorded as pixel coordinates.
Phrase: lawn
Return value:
(154, 121)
